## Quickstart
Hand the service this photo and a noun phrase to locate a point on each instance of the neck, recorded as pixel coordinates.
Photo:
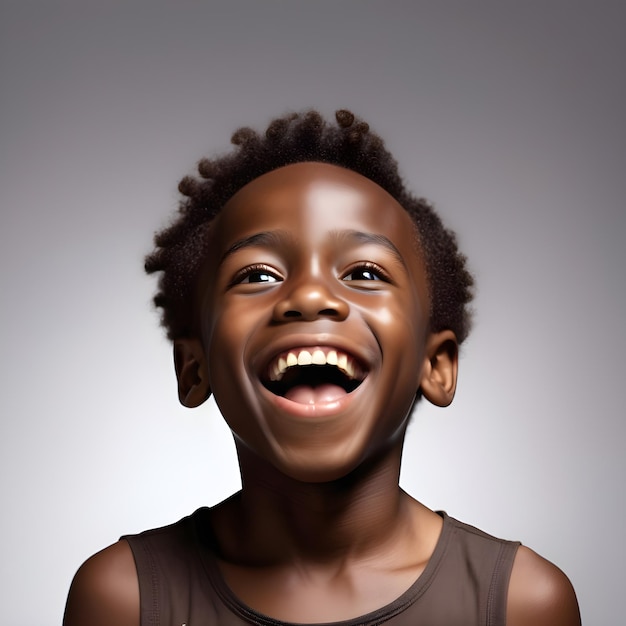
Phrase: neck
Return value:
(286, 519)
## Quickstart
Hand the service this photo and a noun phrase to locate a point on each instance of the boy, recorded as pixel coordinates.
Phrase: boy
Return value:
(319, 301)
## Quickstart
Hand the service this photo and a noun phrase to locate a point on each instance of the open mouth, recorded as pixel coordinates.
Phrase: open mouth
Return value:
(313, 375)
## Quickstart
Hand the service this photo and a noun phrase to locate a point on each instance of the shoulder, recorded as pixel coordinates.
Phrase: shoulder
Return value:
(105, 590)
(540, 594)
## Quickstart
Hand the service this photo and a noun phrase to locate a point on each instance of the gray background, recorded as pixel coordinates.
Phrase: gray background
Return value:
(509, 115)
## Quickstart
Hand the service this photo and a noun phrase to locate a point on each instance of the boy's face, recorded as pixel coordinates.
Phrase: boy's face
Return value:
(317, 265)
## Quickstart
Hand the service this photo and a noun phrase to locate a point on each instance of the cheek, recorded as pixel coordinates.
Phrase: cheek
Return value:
(227, 375)
(220, 337)
(224, 347)
(398, 322)
(228, 335)
(400, 327)
(385, 316)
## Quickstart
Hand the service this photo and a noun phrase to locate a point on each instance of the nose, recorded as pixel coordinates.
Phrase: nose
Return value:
(310, 301)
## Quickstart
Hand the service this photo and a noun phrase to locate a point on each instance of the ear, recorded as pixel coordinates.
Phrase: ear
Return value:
(191, 371)
(439, 374)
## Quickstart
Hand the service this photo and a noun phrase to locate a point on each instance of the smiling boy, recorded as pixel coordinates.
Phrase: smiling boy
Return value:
(318, 301)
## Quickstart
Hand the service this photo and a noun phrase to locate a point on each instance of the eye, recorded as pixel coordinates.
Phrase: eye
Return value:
(259, 277)
(366, 272)
(256, 274)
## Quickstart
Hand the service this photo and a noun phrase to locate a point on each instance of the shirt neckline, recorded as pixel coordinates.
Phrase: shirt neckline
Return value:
(206, 549)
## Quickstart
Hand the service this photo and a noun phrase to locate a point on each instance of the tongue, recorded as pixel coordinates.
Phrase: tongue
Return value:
(321, 394)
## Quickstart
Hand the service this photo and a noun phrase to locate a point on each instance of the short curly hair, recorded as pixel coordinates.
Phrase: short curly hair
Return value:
(181, 248)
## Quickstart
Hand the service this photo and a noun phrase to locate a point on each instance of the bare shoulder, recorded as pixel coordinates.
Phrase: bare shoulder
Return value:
(105, 590)
(540, 594)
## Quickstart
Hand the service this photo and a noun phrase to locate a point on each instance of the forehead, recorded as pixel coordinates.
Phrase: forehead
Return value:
(314, 201)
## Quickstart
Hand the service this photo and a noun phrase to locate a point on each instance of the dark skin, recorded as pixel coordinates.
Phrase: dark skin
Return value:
(315, 259)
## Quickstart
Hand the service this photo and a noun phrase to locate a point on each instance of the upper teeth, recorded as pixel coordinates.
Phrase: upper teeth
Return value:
(315, 356)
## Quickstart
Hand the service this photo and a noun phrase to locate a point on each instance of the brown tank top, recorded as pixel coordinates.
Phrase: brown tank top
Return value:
(465, 582)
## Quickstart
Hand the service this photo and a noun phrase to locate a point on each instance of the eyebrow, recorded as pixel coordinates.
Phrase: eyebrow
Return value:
(272, 238)
(265, 239)
(358, 236)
